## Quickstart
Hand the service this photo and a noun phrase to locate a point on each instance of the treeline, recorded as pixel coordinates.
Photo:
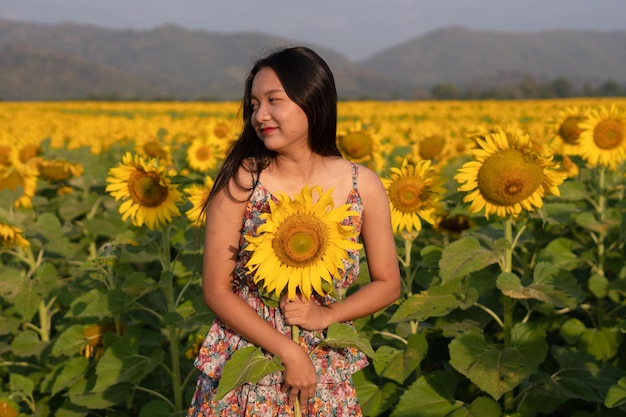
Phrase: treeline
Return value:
(529, 88)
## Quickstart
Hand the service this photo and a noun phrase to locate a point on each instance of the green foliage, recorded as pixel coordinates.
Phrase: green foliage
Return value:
(519, 317)
(247, 365)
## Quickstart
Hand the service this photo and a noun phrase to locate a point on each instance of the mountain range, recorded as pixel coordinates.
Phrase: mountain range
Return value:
(70, 61)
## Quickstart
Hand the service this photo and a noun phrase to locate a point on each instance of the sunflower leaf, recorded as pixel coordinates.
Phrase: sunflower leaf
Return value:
(617, 394)
(494, 369)
(424, 305)
(430, 395)
(463, 257)
(550, 284)
(246, 365)
(373, 398)
(399, 364)
(341, 335)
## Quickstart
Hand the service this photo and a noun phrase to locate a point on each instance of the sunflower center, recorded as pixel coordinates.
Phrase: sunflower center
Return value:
(54, 171)
(431, 146)
(154, 150)
(145, 189)
(301, 240)
(356, 144)
(221, 130)
(508, 177)
(608, 134)
(407, 194)
(203, 153)
(569, 130)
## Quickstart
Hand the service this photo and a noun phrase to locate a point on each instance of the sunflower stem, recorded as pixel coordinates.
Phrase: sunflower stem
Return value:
(508, 304)
(601, 236)
(295, 336)
(172, 331)
(602, 216)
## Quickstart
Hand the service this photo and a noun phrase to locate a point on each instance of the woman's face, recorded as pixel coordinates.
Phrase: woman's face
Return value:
(279, 122)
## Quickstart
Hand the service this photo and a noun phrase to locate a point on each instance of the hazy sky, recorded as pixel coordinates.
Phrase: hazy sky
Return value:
(356, 28)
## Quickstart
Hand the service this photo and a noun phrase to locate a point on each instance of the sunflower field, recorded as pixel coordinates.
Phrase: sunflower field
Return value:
(510, 231)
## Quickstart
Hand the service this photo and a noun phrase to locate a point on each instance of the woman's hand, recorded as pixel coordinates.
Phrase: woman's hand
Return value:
(300, 378)
(304, 313)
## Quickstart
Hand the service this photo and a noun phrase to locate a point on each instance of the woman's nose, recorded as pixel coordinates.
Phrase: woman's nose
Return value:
(261, 115)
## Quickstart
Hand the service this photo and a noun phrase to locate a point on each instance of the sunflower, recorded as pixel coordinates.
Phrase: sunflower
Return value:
(11, 236)
(24, 177)
(356, 143)
(204, 154)
(94, 338)
(567, 130)
(603, 137)
(8, 407)
(508, 175)
(302, 245)
(414, 191)
(58, 170)
(198, 196)
(148, 196)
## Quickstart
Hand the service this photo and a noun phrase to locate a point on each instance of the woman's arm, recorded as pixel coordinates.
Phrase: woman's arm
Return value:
(382, 261)
(223, 233)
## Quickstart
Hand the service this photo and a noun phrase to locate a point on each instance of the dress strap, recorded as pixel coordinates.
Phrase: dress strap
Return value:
(355, 173)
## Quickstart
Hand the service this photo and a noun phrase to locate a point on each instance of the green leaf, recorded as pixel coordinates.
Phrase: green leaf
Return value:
(70, 373)
(430, 396)
(246, 365)
(67, 409)
(579, 376)
(598, 285)
(464, 256)
(118, 302)
(156, 408)
(341, 335)
(21, 383)
(587, 220)
(571, 330)
(424, 305)
(137, 284)
(373, 399)
(559, 252)
(11, 281)
(78, 208)
(495, 369)
(94, 303)
(602, 343)
(80, 394)
(49, 227)
(550, 284)
(484, 407)
(121, 362)
(26, 301)
(399, 364)
(572, 191)
(27, 343)
(186, 309)
(616, 396)
(70, 341)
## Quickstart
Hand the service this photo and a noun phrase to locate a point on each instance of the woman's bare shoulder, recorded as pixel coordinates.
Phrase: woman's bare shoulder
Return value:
(367, 178)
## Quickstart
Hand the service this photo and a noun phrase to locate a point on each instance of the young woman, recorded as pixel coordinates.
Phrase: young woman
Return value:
(287, 142)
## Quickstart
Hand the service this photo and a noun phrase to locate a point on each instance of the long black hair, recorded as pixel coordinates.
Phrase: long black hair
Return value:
(308, 82)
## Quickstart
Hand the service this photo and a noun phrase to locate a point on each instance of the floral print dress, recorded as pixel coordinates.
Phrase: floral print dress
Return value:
(335, 395)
